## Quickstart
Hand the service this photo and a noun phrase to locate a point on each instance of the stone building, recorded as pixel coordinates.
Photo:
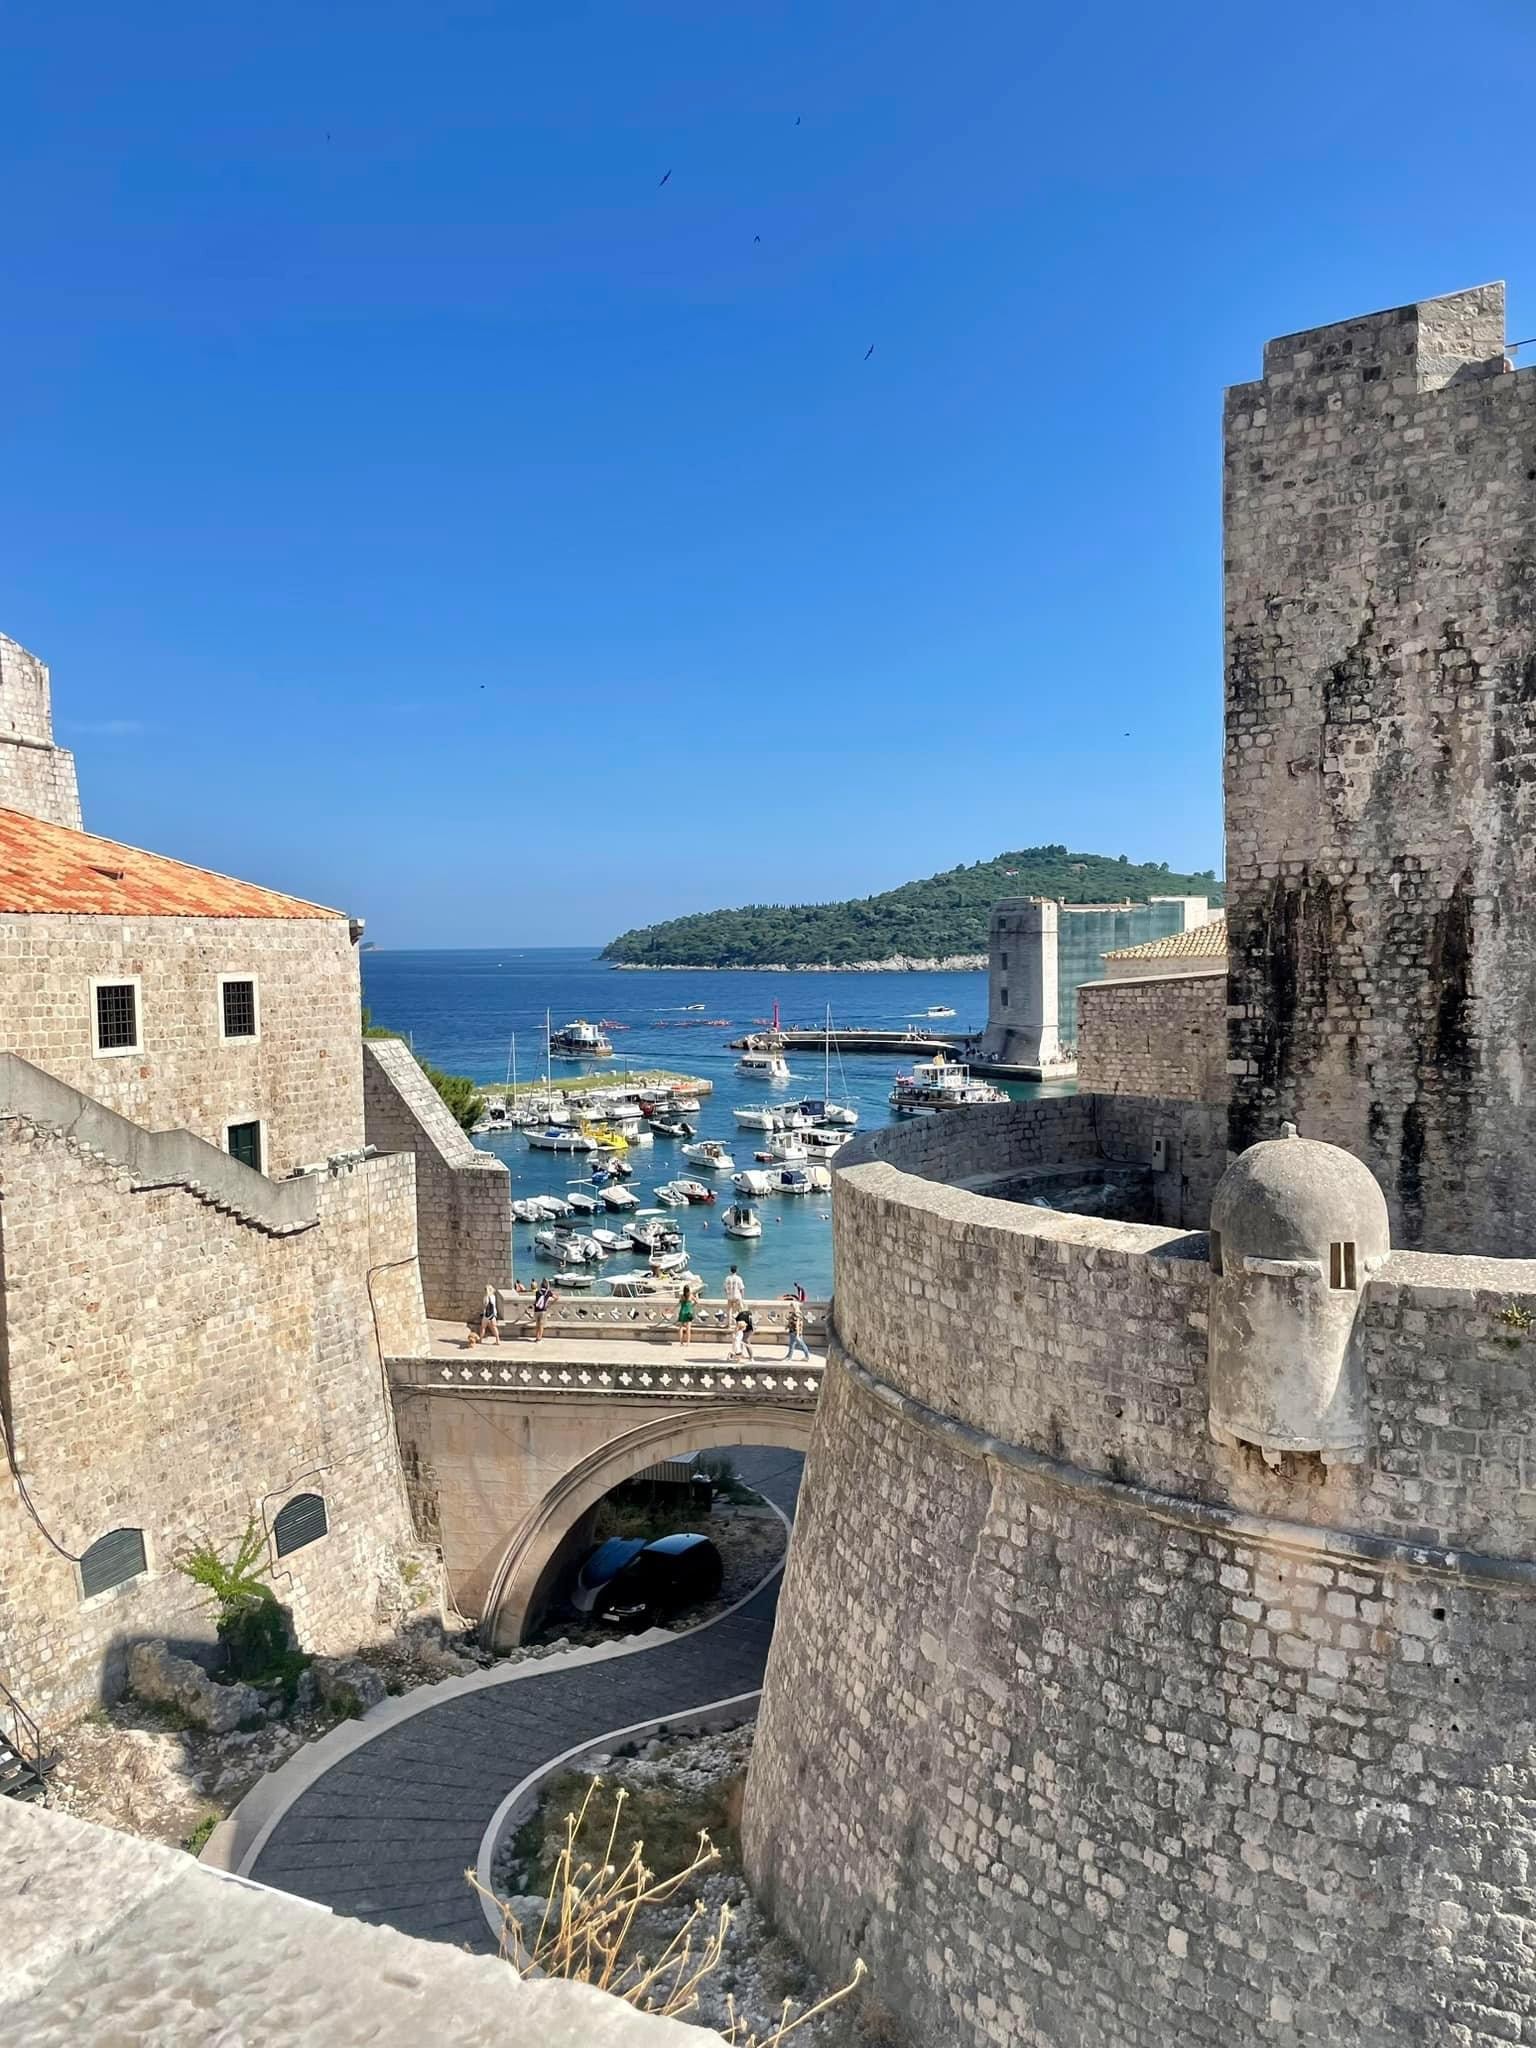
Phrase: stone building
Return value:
(203, 1259)
(1157, 1023)
(1198, 1604)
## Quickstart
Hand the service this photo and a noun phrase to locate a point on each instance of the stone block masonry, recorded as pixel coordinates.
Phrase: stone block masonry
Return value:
(35, 776)
(1380, 508)
(463, 1195)
(1163, 1035)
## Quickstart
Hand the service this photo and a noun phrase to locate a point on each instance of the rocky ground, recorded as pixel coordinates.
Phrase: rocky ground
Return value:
(676, 1785)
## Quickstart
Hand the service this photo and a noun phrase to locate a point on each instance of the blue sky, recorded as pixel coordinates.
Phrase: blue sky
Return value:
(426, 510)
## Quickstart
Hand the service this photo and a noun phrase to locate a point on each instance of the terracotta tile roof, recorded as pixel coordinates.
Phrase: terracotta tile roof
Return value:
(49, 868)
(1205, 942)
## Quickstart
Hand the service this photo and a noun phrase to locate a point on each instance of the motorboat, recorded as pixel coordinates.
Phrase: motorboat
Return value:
(685, 1105)
(785, 1146)
(654, 1286)
(578, 1276)
(694, 1190)
(939, 1084)
(820, 1178)
(609, 1240)
(675, 1261)
(741, 1220)
(580, 1041)
(558, 1138)
(688, 1009)
(555, 1205)
(618, 1197)
(671, 1197)
(564, 1247)
(763, 1066)
(670, 1127)
(527, 1211)
(759, 1116)
(939, 1010)
(816, 1109)
(646, 1231)
(822, 1144)
(710, 1154)
(792, 1180)
(583, 1201)
(753, 1180)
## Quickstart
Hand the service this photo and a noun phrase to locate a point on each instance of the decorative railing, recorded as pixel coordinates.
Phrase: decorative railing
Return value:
(621, 1318)
(772, 1380)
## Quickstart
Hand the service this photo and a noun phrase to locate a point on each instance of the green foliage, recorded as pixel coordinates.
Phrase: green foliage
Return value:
(463, 1098)
(932, 919)
(372, 1030)
(251, 1626)
(199, 1835)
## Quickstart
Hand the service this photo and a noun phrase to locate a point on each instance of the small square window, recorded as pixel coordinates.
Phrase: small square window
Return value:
(1341, 1267)
(244, 1143)
(1002, 997)
(1005, 963)
(237, 1007)
(117, 1016)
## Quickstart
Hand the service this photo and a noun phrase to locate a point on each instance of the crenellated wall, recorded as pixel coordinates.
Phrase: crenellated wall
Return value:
(1101, 1733)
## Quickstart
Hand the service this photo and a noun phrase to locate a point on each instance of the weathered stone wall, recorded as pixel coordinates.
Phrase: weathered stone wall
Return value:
(463, 1195)
(1380, 506)
(1101, 1733)
(302, 1076)
(35, 776)
(170, 1368)
(1161, 1035)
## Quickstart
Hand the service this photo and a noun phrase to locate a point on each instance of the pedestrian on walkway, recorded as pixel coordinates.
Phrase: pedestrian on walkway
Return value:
(735, 1292)
(742, 1347)
(544, 1299)
(490, 1315)
(794, 1329)
(685, 1318)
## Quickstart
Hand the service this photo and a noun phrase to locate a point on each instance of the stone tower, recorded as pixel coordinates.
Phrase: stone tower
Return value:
(1380, 510)
(35, 776)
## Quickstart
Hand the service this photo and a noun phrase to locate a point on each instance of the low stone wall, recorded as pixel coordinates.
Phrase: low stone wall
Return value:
(463, 1195)
(1158, 1035)
(1099, 1733)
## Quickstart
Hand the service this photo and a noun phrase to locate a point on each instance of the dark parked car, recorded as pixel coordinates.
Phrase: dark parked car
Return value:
(628, 1582)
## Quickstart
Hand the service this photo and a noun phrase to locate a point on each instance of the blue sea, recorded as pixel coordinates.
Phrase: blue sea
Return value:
(462, 1010)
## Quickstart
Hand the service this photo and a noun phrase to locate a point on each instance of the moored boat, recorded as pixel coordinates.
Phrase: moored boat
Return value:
(580, 1040)
(939, 1084)
(694, 1190)
(559, 1138)
(754, 1180)
(741, 1220)
(710, 1154)
(619, 1197)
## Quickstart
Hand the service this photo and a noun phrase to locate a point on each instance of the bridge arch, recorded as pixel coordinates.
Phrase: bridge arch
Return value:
(519, 1576)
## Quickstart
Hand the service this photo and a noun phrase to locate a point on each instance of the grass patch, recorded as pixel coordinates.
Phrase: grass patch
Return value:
(645, 1519)
(195, 1841)
(666, 1819)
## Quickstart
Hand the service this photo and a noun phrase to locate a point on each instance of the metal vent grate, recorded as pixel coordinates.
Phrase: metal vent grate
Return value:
(300, 1521)
(112, 1560)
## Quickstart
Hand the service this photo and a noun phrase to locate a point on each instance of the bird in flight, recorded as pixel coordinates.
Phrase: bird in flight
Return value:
(869, 352)
(797, 120)
(757, 238)
(664, 180)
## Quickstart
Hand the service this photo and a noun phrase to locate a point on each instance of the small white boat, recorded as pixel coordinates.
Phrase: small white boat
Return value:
(556, 1205)
(694, 1190)
(555, 1138)
(674, 1260)
(793, 1180)
(620, 1198)
(939, 1010)
(741, 1220)
(654, 1286)
(820, 1178)
(646, 1231)
(759, 1116)
(563, 1247)
(712, 1155)
(755, 1180)
(816, 1109)
(609, 1241)
(763, 1066)
(671, 1197)
(685, 1105)
(583, 1201)
(527, 1211)
(786, 1147)
(822, 1144)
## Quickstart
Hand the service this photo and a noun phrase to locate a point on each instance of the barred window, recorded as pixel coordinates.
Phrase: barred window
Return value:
(238, 1004)
(117, 1016)
(244, 1143)
(299, 1521)
(112, 1560)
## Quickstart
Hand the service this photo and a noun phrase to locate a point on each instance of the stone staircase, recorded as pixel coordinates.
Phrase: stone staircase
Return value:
(156, 1159)
(23, 1766)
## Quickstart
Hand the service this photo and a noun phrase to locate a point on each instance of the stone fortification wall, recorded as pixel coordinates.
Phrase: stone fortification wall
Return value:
(1160, 1035)
(1380, 502)
(463, 1195)
(35, 776)
(301, 1076)
(1098, 1733)
(172, 1369)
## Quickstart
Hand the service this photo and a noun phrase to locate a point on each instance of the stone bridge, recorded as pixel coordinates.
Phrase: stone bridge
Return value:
(508, 1448)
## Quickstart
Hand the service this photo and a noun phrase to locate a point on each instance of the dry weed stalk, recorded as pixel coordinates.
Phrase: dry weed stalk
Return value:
(589, 1918)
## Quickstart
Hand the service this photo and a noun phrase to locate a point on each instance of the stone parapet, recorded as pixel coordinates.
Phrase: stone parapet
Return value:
(1159, 1034)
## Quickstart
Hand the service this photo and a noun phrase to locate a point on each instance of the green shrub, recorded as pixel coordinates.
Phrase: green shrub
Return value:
(251, 1626)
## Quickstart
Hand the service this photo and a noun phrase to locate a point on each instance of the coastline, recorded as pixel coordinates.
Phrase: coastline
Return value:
(953, 963)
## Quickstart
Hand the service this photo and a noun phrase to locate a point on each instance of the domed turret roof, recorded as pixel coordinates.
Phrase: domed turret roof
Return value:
(1291, 1197)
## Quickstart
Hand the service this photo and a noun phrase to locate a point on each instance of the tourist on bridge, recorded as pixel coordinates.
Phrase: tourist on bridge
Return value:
(794, 1328)
(685, 1317)
(735, 1291)
(543, 1300)
(741, 1345)
(490, 1315)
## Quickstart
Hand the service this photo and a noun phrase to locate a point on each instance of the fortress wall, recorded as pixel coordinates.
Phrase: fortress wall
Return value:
(171, 1369)
(35, 776)
(1096, 1733)
(1154, 1035)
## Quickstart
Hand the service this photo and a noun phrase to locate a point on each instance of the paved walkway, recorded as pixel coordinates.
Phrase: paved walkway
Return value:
(388, 1833)
(709, 1347)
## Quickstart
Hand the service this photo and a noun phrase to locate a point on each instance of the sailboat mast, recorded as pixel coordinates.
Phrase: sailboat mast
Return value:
(826, 1061)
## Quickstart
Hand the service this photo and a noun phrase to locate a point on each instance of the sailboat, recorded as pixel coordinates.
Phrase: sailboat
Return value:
(822, 1109)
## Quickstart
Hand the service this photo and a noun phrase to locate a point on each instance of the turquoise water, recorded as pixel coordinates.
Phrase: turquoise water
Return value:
(460, 1009)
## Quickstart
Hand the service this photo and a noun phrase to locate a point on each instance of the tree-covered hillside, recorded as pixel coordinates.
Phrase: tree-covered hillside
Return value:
(935, 919)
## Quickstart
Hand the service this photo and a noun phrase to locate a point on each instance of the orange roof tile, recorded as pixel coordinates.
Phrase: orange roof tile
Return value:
(1200, 942)
(50, 868)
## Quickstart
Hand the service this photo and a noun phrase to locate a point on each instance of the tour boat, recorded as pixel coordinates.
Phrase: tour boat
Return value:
(580, 1041)
(763, 1066)
(741, 1220)
(618, 1197)
(710, 1153)
(939, 1084)
(555, 1138)
(753, 1181)
(694, 1190)
(823, 1143)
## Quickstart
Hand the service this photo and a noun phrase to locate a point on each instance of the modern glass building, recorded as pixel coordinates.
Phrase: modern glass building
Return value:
(1090, 930)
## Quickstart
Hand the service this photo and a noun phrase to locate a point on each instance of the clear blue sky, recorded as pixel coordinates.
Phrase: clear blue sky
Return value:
(426, 510)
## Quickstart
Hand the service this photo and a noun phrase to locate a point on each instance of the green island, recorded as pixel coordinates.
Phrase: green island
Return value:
(939, 921)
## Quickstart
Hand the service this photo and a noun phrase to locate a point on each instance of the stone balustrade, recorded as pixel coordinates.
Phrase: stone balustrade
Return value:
(610, 1316)
(703, 1379)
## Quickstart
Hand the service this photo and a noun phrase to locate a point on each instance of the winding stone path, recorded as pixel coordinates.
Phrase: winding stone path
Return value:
(387, 1833)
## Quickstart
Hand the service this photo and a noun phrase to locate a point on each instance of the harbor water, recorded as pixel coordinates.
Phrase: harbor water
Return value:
(460, 1011)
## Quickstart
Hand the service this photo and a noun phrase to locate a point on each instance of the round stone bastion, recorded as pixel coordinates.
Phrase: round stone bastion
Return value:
(1096, 1719)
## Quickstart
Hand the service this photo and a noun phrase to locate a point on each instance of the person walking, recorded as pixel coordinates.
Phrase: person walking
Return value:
(543, 1302)
(685, 1317)
(742, 1348)
(490, 1315)
(794, 1329)
(735, 1292)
